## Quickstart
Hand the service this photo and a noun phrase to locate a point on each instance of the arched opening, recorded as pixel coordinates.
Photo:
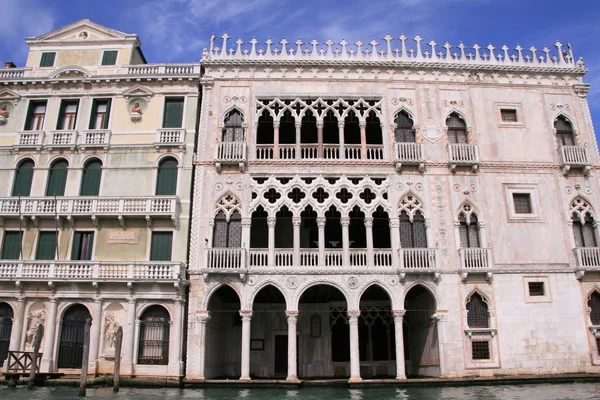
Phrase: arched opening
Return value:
(331, 132)
(308, 131)
(154, 336)
(468, 228)
(284, 229)
(227, 233)
(373, 129)
(269, 339)
(90, 180)
(357, 230)
(6, 324)
(223, 335)
(333, 229)
(477, 312)
(70, 347)
(594, 306)
(381, 229)
(457, 129)
(259, 232)
(23, 178)
(351, 129)
(324, 333)
(582, 218)
(233, 130)
(287, 128)
(421, 347)
(405, 132)
(265, 133)
(309, 231)
(564, 131)
(166, 179)
(376, 333)
(57, 178)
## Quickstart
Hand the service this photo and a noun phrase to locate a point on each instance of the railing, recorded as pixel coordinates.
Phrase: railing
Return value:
(94, 138)
(309, 257)
(418, 259)
(588, 257)
(463, 154)
(374, 152)
(331, 151)
(162, 69)
(353, 151)
(62, 138)
(231, 152)
(30, 138)
(259, 258)
(358, 257)
(284, 257)
(170, 136)
(264, 152)
(8, 73)
(287, 151)
(573, 155)
(21, 361)
(382, 258)
(225, 258)
(333, 258)
(475, 259)
(151, 271)
(309, 151)
(409, 153)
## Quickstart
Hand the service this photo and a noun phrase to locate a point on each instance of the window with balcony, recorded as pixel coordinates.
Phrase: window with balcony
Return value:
(287, 129)
(46, 246)
(173, 113)
(227, 232)
(11, 245)
(331, 132)
(404, 132)
(351, 129)
(373, 129)
(23, 178)
(477, 312)
(109, 57)
(457, 129)
(412, 232)
(100, 114)
(265, 130)
(36, 114)
(154, 336)
(259, 233)
(82, 246)
(564, 132)
(161, 246)
(166, 180)
(47, 59)
(594, 305)
(233, 130)
(309, 132)
(57, 178)
(67, 116)
(90, 180)
(469, 228)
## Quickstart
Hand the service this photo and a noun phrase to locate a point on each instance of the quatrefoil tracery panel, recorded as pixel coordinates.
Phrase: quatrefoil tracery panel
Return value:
(467, 210)
(229, 204)
(581, 208)
(411, 204)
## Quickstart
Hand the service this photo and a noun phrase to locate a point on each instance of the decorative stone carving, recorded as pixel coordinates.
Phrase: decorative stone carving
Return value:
(4, 113)
(110, 332)
(291, 282)
(34, 320)
(353, 282)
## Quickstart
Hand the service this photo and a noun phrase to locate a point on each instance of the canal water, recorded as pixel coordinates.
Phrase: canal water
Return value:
(579, 391)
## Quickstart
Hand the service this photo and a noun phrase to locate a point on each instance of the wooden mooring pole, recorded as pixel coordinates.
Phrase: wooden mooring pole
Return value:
(86, 357)
(34, 357)
(117, 372)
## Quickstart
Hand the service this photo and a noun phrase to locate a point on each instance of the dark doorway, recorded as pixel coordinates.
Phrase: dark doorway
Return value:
(223, 335)
(70, 351)
(281, 355)
(421, 333)
(6, 313)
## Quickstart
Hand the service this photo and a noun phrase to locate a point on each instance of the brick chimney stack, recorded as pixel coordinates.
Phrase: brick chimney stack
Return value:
(9, 64)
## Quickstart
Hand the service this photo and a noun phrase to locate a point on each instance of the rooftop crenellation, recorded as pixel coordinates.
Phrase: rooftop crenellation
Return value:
(391, 49)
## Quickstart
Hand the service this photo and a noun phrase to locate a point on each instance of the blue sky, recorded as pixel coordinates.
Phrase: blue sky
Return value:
(178, 30)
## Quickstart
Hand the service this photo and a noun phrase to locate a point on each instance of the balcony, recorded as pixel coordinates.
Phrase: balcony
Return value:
(170, 138)
(574, 157)
(230, 153)
(72, 208)
(419, 261)
(92, 271)
(94, 138)
(225, 261)
(312, 151)
(30, 140)
(409, 154)
(475, 260)
(463, 155)
(66, 139)
(588, 260)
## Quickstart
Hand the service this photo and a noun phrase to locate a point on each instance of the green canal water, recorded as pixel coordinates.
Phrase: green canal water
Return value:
(579, 391)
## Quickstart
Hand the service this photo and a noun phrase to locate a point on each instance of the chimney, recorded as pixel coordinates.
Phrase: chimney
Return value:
(9, 64)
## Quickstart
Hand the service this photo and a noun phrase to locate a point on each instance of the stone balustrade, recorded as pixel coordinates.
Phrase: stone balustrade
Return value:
(409, 154)
(419, 260)
(93, 138)
(230, 153)
(311, 152)
(572, 157)
(463, 155)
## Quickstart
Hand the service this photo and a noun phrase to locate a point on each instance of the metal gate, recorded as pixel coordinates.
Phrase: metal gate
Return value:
(154, 337)
(6, 314)
(70, 351)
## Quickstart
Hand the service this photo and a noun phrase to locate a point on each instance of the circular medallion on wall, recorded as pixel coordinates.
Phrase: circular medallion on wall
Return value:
(218, 186)
(568, 189)
(291, 282)
(587, 190)
(226, 99)
(353, 282)
(239, 186)
(399, 186)
(392, 280)
(395, 101)
(473, 188)
(419, 186)
(456, 187)
(251, 281)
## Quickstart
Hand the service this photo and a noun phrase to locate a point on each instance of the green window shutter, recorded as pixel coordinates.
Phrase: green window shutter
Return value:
(173, 117)
(23, 178)
(11, 249)
(82, 246)
(108, 104)
(166, 183)
(29, 118)
(57, 179)
(90, 181)
(109, 57)
(161, 246)
(94, 113)
(46, 248)
(61, 116)
(47, 60)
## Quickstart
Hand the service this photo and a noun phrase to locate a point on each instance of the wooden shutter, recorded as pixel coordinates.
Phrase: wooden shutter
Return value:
(589, 237)
(220, 230)
(11, 249)
(93, 115)
(108, 104)
(23, 179)
(57, 179)
(60, 123)
(166, 183)
(90, 181)
(109, 57)
(406, 236)
(463, 231)
(578, 234)
(47, 59)
(173, 116)
(46, 248)
(82, 246)
(234, 234)
(420, 233)
(160, 249)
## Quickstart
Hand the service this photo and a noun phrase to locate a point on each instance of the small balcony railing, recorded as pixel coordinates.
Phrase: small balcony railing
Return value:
(230, 153)
(309, 257)
(588, 257)
(94, 138)
(409, 154)
(419, 260)
(62, 139)
(225, 259)
(353, 151)
(463, 155)
(475, 260)
(30, 139)
(170, 137)
(572, 157)
(310, 151)
(164, 69)
(287, 151)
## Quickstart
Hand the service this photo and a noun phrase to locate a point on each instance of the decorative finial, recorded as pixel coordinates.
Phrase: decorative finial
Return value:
(269, 42)
(224, 49)
(403, 40)
(491, 48)
(343, 43)
(374, 44)
(253, 50)
(418, 39)
(432, 43)
(283, 50)
(239, 43)
(388, 39)
(359, 50)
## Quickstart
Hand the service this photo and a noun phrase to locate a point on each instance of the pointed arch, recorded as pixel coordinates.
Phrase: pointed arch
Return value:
(411, 204)
(228, 204)
(456, 125)
(208, 297)
(468, 226)
(262, 285)
(233, 130)
(594, 306)
(477, 311)
(583, 220)
(564, 129)
(265, 131)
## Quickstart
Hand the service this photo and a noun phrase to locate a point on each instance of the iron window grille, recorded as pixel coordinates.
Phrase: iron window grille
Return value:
(154, 337)
(508, 115)
(480, 350)
(536, 288)
(477, 312)
(522, 203)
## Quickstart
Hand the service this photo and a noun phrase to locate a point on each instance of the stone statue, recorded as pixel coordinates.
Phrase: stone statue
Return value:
(110, 331)
(580, 63)
(137, 109)
(4, 111)
(35, 318)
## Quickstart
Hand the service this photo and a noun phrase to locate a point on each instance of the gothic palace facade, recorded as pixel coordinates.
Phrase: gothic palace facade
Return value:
(300, 210)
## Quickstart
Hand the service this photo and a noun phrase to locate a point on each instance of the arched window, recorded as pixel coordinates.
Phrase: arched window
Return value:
(405, 132)
(373, 129)
(287, 128)
(457, 129)
(265, 133)
(412, 233)
(23, 178)
(564, 131)
(154, 336)
(233, 130)
(351, 129)
(309, 131)
(331, 132)
(90, 180)
(583, 223)
(469, 227)
(166, 180)
(57, 178)
(70, 349)
(594, 305)
(477, 312)
(227, 233)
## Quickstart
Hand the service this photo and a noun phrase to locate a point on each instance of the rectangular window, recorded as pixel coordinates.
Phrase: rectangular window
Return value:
(508, 115)
(82, 246)
(36, 114)
(11, 245)
(46, 248)
(173, 116)
(109, 57)
(161, 246)
(67, 116)
(536, 288)
(522, 203)
(480, 350)
(100, 114)
(47, 59)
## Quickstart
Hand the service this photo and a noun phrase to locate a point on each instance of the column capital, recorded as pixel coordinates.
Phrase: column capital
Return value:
(292, 316)
(345, 221)
(320, 124)
(298, 124)
(321, 221)
(441, 316)
(246, 315)
(394, 222)
(362, 124)
(399, 315)
(203, 318)
(296, 221)
(271, 221)
(211, 223)
(276, 124)
(368, 222)
(340, 124)
(353, 316)
(246, 221)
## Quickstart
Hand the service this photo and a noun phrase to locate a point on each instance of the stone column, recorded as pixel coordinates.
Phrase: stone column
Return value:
(483, 234)
(19, 325)
(399, 337)
(95, 336)
(47, 364)
(129, 339)
(201, 322)
(298, 126)
(440, 318)
(395, 238)
(370, 249)
(363, 139)
(246, 224)
(135, 344)
(321, 226)
(292, 318)
(320, 138)
(271, 221)
(246, 320)
(354, 352)
(276, 140)
(211, 232)
(175, 363)
(596, 225)
(341, 139)
(345, 222)
(296, 221)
